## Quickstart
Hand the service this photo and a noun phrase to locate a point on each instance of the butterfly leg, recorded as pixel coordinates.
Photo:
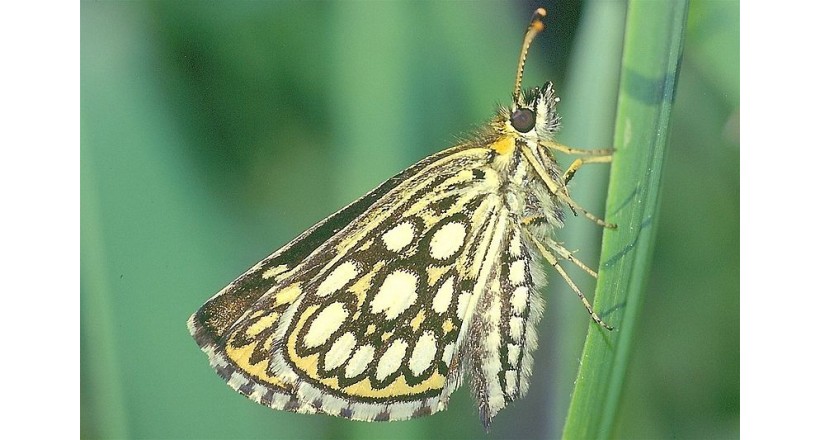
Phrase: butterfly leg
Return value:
(553, 261)
(578, 163)
(560, 250)
(575, 207)
(603, 155)
(578, 151)
(567, 255)
(594, 156)
(559, 189)
(570, 173)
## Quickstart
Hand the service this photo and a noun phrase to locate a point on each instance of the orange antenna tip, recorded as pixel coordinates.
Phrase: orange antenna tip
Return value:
(536, 26)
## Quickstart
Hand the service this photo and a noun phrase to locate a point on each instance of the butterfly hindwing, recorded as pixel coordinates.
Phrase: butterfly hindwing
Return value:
(370, 323)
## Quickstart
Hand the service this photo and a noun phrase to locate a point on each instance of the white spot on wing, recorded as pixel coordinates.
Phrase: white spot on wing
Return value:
(513, 351)
(463, 299)
(396, 294)
(391, 359)
(340, 351)
(398, 237)
(516, 328)
(448, 353)
(441, 302)
(447, 240)
(423, 353)
(337, 278)
(360, 360)
(273, 271)
(519, 299)
(518, 272)
(515, 244)
(328, 321)
(512, 386)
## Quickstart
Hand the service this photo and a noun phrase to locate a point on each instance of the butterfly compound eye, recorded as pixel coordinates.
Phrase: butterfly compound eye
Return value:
(523, 120)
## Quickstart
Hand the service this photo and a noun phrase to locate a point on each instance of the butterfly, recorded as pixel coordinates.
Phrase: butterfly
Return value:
(380, 311)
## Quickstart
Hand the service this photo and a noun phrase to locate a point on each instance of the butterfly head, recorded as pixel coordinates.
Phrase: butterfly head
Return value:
(532, 115)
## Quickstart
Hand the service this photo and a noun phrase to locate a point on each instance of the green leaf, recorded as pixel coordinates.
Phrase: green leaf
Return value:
(652, 51)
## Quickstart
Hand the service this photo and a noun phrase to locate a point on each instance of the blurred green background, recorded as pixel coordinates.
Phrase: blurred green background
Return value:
(213, 133)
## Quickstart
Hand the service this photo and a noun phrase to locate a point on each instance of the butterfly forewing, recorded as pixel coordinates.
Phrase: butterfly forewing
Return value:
(503, 334)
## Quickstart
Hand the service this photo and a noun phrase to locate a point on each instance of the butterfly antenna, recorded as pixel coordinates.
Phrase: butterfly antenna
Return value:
(536, 26)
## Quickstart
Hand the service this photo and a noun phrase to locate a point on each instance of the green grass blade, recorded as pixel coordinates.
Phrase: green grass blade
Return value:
(652, 52)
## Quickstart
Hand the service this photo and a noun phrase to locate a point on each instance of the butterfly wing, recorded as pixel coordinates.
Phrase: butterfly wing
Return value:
(365, 315)
(502, 335)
